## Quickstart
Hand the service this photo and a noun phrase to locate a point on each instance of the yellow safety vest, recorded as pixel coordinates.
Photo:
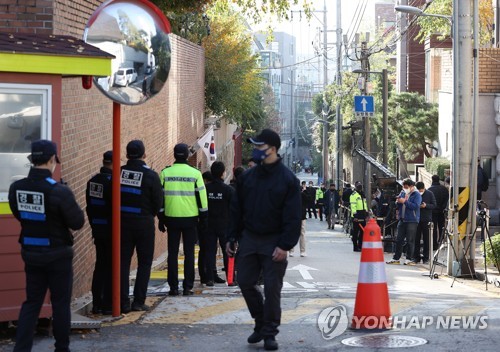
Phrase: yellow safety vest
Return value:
(184, 191)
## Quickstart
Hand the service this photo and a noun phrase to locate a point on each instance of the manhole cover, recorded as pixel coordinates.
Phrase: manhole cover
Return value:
(388, 341)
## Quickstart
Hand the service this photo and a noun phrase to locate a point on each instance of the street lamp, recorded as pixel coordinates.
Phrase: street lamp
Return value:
(463, 171)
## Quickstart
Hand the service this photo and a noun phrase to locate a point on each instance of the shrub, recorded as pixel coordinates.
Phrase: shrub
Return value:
(437, 166)
(495, 240)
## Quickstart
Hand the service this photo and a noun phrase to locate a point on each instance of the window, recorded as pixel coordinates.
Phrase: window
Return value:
(24, 117)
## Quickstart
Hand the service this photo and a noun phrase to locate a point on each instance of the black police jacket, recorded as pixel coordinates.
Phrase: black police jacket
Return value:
(441, 194)
(219, 199)
(141, 191)
(430, 204)
(267, 202)
(46, 209)
(98, 197)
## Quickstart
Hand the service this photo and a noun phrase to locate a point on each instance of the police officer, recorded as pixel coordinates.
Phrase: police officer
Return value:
(265, 220)
(359, 212)
(185, 210)
(219, 198)
(320, 200)
(98, 196)
(47, 211)
(141, 199)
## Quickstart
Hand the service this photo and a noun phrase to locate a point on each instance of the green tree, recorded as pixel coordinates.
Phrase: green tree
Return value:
(433, 25)
(233, 81)
(413, 123)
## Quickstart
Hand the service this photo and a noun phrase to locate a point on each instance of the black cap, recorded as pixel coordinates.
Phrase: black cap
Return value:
(267, 136)
(107, 157)
(181, 152)
(42, 150)
(135, 149)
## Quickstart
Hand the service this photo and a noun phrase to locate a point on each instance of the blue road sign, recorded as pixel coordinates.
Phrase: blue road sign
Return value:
(363, 104)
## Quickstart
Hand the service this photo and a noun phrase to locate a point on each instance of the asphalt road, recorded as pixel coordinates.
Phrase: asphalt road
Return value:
(216, 319)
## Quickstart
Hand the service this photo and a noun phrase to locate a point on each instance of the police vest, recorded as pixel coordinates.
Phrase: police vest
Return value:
(185, 195)
(98, 197)
(359, 209)
(132, 185)
(33, 204)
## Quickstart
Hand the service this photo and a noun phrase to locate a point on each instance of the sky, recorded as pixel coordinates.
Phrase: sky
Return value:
(306, 31)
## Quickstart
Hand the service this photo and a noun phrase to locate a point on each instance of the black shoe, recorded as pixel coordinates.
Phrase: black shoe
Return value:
(270, 343)
(219, 280)
(209, 283)
(173, 292)
(233, 284)
(255, 337)
(187, 293)
(137, 307)
(125, 309)
(107, 312)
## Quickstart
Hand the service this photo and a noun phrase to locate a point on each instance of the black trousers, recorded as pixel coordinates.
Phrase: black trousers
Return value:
(438, 220)
(357, 234)
(422, 234)
(214, 238)
(101, 280)
(47, 268)
(255, 256)
(202, 255)
(319, 206)
(188, 240)
(136, 234)
(312, 208)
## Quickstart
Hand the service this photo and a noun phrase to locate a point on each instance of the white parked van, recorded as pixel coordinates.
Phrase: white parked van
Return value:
(124, 76)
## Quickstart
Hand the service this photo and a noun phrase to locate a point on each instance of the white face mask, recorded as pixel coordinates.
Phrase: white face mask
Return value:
(407, 190)
(421, 192)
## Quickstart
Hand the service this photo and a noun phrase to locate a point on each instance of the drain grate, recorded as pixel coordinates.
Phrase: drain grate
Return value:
(387, 341)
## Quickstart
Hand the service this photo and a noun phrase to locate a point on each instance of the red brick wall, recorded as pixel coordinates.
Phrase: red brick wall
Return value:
(174, 115)
(26, 16)
(489, 70)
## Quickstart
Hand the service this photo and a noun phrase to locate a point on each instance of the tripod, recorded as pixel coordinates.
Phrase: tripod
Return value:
(483, 215)
(445, 238)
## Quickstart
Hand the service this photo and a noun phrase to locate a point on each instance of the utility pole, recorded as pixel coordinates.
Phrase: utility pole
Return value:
(365, 67)
(325, 83)
(339, 162)
(462, 163)
(293, 131)
(385, 122)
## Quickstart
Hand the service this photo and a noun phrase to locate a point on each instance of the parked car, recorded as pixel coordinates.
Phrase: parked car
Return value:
(124, 76)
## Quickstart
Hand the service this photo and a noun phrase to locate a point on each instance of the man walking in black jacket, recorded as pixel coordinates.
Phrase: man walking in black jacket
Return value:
(47, 211)
(265, 222)
(442, 195)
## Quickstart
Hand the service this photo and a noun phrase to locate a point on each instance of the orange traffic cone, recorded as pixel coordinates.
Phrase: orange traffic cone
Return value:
(372, 309)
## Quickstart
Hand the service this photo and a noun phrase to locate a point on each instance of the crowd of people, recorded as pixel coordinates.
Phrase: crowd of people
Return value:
(411, 211)
(257, 219)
